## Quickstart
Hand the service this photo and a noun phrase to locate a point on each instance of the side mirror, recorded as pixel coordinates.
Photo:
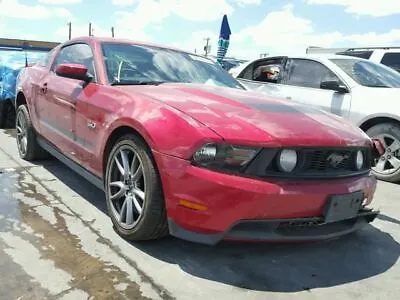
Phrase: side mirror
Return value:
(73, 71)
(334, 86)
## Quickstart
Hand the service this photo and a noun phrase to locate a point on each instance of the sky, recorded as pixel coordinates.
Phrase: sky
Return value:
(258, 26)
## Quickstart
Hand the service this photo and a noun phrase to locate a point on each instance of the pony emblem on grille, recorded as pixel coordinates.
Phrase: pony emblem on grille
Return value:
(336, 159)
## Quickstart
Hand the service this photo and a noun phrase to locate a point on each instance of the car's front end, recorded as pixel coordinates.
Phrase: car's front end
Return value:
(268, 194)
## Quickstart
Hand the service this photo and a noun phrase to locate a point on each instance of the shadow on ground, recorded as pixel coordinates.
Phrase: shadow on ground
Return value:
(267, 267)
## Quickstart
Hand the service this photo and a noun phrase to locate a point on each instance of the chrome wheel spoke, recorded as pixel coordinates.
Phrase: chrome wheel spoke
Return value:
(121, 191)
(380, 166)
(134, 163)
(119, 166)
(24, 143)
(394, 146)
(19, 130)
(395, 162)
(137, 205)
(122, 213)
(125, 163)
(138, 174)
(139, 193)
(129, 211)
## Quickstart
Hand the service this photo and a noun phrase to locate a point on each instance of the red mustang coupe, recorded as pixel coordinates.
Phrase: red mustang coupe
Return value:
(180, 147)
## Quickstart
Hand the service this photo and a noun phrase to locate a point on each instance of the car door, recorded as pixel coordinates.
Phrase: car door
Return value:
(302, 80)
(252, 77)
(59, 99)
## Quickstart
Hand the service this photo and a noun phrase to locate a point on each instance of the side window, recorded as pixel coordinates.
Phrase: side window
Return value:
(392, 60)
(46, 60)
(76, 54)
(247, 73)
(308, 73)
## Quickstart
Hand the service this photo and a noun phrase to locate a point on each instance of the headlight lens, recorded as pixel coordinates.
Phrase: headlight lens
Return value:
(359, 160)
(287, 160)
(228, 157)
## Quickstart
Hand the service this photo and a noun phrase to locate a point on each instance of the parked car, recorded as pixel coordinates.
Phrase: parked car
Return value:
(364, 92)
(14, 55)
(180, 147)
(389, 56)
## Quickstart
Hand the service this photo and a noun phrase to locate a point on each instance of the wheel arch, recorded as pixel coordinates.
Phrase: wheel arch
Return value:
(20, 99)
(378, 119)
(115, 134)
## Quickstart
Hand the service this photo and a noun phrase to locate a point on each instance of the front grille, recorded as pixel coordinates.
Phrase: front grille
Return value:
(323, 160)
(312, 163)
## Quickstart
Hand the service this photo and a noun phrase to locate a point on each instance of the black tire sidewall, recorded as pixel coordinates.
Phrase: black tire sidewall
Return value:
(31, 138)
(394, 130)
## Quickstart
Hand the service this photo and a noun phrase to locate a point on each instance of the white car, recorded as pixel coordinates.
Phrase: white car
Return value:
(359, 90)
(389, 56)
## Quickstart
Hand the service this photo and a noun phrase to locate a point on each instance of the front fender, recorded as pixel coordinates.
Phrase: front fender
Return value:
(165, 129)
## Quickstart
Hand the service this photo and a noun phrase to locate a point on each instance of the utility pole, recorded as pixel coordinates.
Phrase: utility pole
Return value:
(112, 31)
(207, 47)
(69, 30)
(90, 29)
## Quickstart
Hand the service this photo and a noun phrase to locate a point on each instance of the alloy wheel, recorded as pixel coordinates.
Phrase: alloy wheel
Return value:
(22, 133)
(126, 187)
(389, 162)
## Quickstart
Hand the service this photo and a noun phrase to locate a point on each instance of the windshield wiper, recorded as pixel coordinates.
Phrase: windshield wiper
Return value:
(137, 82)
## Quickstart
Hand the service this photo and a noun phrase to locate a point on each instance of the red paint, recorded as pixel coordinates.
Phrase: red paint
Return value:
(74, 71)
(175, 120)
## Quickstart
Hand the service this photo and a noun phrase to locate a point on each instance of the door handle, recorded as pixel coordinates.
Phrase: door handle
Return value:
(43, 88)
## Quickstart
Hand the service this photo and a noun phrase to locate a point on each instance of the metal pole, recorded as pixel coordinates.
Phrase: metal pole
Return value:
(90, 29)
(69, 30)
(112, 31)
(206, 47)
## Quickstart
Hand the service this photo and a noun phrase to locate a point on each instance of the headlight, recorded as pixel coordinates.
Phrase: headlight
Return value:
(226, 157)
(287, 160)
(359, 160)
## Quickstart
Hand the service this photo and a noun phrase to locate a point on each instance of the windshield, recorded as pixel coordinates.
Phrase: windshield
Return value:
(137, 64)
(368, 73)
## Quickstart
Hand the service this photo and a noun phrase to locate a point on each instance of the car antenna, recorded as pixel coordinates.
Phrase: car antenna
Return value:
(25, 44)
(26, 59)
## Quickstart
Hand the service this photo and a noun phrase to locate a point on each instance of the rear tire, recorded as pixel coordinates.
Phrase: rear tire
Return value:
(388, 166)
(125, 191)
(28, 147)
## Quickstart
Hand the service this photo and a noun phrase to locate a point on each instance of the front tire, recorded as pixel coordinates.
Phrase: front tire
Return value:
(388, 166)
(28, 147)
(134, 195)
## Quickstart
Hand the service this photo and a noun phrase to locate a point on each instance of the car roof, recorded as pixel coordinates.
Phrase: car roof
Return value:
(324, 57)
(98, 39)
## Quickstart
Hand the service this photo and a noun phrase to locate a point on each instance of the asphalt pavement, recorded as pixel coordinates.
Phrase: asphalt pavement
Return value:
(57, 242)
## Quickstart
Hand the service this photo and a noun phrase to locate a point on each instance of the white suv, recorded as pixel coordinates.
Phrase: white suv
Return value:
(357, 89)
(389, 56)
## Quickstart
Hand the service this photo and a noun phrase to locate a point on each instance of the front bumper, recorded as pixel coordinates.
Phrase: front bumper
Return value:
(291, 230)
(239, 208)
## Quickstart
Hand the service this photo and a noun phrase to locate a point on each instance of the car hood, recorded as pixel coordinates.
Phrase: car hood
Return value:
(250, 117)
